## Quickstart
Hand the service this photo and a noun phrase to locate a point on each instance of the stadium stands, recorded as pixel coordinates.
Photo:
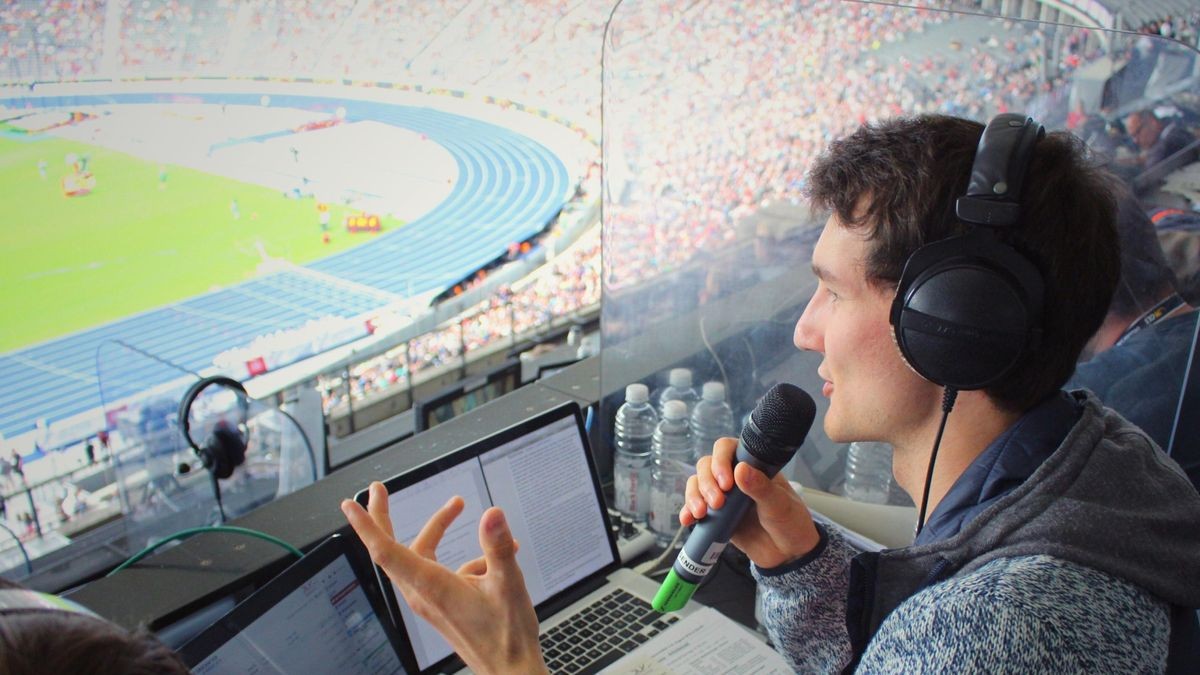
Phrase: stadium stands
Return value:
(509, 189)
(560, 44)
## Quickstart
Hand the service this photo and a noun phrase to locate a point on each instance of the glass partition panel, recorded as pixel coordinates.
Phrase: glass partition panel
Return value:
(135, 479)
(713, 114)
(161, 485)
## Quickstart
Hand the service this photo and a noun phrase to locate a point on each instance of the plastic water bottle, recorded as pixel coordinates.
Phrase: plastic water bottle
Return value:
(712, 418)
(679, 389)
(633, 431)
(869, 472)
(674, 461)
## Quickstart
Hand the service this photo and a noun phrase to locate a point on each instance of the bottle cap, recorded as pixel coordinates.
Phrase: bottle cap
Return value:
(713, 391)
(637, 393)
(681, 377)
(674, 410)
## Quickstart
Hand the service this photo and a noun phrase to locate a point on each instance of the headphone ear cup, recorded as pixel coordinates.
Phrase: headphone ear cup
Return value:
(224, 451)
(193, 393)
(966, 311)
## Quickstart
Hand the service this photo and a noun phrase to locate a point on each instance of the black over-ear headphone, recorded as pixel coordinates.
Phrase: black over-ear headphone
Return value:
(969, 307)
(225, 448)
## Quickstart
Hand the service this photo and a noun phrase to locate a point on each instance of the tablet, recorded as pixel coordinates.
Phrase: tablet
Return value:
(324, 614)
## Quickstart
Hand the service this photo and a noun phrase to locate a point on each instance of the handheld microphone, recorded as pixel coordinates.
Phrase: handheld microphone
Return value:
(776, 429)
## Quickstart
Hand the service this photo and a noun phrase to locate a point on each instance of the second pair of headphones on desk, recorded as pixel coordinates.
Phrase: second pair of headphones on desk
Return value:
(968, 308)
(225, 448)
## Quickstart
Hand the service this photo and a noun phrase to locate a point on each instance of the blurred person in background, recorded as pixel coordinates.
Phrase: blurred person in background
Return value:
(1137, 360)
(1160, 139)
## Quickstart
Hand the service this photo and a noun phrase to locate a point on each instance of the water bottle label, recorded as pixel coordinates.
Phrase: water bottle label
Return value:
(665, 506)
(631, 488)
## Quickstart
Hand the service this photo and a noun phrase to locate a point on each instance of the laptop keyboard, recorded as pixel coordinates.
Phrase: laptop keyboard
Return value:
(601, 633)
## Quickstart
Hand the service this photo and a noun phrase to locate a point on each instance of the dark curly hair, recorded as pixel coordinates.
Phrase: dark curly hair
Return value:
(61, 641)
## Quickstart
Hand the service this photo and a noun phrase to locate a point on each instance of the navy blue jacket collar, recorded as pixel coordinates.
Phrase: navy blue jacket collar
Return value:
(1003, 465)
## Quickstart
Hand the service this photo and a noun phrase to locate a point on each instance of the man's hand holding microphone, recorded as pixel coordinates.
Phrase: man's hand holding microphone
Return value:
(738, 496)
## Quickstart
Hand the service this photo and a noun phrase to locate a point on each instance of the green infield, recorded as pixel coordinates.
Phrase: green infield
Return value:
(145, 236)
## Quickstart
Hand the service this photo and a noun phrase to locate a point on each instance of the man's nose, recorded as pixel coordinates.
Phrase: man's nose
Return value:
(808, 335)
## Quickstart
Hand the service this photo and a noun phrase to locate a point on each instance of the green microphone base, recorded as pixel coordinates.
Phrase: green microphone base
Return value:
(673, 594)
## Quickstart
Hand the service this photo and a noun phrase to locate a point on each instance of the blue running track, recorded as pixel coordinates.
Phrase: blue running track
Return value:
(509, 188)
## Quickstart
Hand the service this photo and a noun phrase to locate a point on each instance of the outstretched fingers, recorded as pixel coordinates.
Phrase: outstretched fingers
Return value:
(407, 569)
(381, 544)
(431, 534)
(498, 632)
(377, 506)
(500, 549)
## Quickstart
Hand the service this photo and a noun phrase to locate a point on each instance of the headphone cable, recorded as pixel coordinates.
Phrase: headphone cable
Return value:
(949, 395)
(217, 493)
(184, 534)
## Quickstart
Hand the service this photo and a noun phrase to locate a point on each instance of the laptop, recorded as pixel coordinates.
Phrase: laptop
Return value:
(324, 614)
(541, 472)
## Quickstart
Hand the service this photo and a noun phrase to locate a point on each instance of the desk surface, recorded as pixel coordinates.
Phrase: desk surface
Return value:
(176, 582)
(171, 585)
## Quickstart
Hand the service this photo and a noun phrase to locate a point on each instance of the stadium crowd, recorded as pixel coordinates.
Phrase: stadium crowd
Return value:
(51, 40)
(568, 285)
(1186, 29)
(676, 73)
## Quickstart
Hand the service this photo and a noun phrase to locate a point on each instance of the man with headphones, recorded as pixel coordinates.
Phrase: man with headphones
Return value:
(963, 270)
(966, 272)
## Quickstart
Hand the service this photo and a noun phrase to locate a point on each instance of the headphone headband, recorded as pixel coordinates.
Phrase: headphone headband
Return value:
(193, 393)
(998, 173)
(225, 448)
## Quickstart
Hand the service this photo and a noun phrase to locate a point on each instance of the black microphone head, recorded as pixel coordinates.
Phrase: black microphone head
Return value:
(779, 424)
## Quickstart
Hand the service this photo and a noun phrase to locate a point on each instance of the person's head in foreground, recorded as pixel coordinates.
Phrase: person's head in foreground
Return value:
(44, 634)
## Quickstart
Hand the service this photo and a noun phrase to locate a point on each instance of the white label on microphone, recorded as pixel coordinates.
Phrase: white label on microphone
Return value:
(709, 559)
(714, 552)
(692, 566)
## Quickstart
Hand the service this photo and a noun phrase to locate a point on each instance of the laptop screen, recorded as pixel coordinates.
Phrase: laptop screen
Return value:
(540, 473)
(315, 617)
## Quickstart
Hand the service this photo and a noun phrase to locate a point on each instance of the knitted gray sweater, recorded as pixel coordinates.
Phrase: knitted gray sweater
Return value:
(1073, 571)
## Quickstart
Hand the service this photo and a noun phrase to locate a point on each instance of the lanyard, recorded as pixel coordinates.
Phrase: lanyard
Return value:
(1160, 311)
